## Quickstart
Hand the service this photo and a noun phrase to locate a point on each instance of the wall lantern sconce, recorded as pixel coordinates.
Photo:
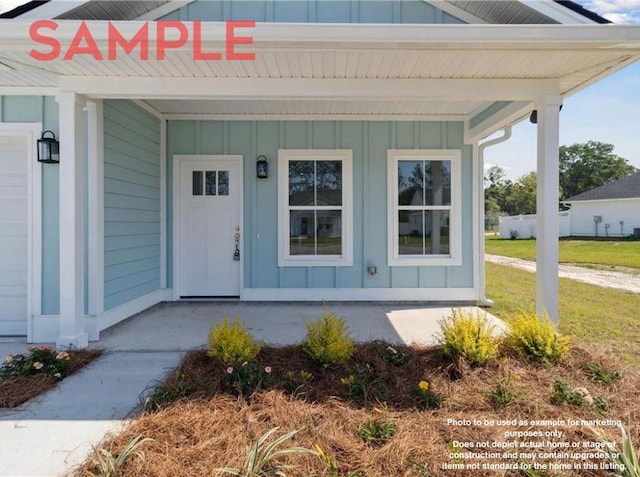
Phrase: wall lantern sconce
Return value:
(48, 149)
(533, 119)
(262, 167)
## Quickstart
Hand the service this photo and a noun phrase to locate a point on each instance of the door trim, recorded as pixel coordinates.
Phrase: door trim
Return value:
(177, 205)
(31, 131)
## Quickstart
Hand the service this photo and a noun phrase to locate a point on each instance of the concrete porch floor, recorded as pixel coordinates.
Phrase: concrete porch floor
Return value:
(182, 326)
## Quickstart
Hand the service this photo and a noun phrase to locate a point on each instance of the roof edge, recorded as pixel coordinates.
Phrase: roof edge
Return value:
(22, 9)
(580, 10)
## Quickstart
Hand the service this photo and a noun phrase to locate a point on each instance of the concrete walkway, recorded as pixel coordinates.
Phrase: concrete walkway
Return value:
(53, 433)
(601, 278)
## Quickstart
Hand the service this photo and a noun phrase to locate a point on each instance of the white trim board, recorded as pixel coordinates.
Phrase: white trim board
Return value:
(32, 132)
(394, 259)
(345, 259)
(360, 294)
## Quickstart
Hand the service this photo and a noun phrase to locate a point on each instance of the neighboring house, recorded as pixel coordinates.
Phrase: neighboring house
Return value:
(156, 197)
(611, 210)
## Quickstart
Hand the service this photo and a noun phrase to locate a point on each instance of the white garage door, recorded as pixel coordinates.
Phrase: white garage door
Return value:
(14, 214)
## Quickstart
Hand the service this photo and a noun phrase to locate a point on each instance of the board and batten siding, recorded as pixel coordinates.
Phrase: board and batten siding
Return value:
(369, 142)
(314, 11)
(131, 202)
(44, 110)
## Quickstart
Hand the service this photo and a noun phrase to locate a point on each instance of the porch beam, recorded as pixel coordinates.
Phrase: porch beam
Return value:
(71, 178)
(547, 220)
(312, 89)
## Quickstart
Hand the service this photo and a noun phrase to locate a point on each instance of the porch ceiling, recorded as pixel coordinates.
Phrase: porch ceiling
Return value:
(440, 67)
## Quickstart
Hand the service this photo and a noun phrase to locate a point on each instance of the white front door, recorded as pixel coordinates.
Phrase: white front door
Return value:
(14, 229)
(209, 219)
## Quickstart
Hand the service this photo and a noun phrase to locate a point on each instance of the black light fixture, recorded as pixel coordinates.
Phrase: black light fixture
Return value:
(533, 119)
(262, 167)
(48, 149)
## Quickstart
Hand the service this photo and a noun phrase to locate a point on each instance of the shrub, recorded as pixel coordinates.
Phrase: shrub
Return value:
(164, 393)
(536, 338)
(328, 342)
(232, 344)
(36, 360)
(468, 336)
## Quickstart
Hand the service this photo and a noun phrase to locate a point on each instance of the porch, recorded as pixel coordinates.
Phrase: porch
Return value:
(181, 326)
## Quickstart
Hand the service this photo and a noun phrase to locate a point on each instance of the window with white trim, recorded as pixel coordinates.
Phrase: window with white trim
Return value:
(424, 207)
(315, 207)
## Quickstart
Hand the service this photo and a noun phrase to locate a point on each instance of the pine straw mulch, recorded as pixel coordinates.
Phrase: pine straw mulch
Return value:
(17, 390)
(209, 428)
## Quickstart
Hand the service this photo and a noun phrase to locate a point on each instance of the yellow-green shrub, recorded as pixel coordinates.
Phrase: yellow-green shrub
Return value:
(232, 343)
(328, 340)
(468, 336)
(536, 338)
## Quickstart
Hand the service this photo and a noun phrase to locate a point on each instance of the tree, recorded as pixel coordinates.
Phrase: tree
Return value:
(589, 165)
(496, 190)
(522, 196)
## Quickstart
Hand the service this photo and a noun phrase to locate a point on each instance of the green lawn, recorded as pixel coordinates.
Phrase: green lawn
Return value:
(590, 313)
(624, 253)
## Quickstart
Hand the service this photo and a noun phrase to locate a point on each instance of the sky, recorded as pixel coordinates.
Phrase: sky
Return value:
(608, 111)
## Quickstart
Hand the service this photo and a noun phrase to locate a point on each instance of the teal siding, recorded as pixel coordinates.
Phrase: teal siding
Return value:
(38, 109)
(488, 112)
(131, 203)
(313, 11)
(369, 142)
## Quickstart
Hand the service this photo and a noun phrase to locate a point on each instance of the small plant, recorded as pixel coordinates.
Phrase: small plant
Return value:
(295, 383)
(173, 389)
(364, 385)
(599, 375)
(246, 378)
(625, 461)
(392, 355)
(260, 459)
(564, 393)
(232, 344)
(106, 464)
(537, 339)
(328, 342)
(377, 430)
(36, 360)
(332, 465)
(468, 336)
(426, 397)
(513, 234)
(503, 394)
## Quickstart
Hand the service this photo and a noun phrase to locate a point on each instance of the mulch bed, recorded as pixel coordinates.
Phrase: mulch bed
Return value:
(209, 427)
(17, 390)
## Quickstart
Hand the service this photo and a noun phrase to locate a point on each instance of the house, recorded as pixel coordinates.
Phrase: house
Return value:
(163, 112)
(611, 210)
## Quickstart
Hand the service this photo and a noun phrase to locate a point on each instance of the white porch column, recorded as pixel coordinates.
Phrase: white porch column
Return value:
(72, 178)
(548, 222)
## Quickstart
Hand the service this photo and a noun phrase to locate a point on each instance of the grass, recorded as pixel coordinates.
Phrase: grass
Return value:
(612, 253)
(210, 428)
(590, 313)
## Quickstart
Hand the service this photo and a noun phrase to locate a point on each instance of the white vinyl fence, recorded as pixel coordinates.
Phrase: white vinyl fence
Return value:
(524, 226)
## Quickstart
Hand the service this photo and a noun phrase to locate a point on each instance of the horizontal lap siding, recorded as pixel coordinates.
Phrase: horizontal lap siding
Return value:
(369, 142)
(131, 203)
(313, 11)
(44, 110)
